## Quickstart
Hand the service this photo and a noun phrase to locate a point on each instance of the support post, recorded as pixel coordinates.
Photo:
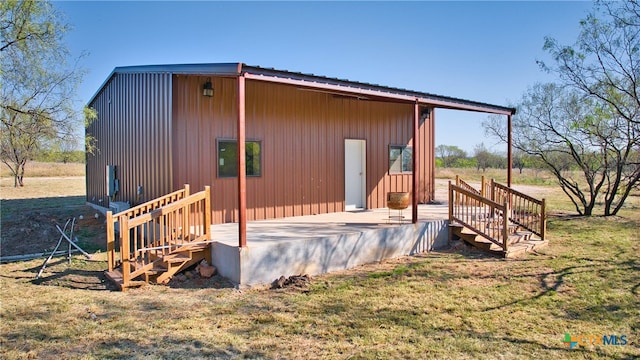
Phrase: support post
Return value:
(450, 234)
(416, 153)
(543, 219)
(505, 225)
(207, 221)
(509, 149)
(125, 252)
(207, 212)
(242, 166)
(457, 197)
(111, 244)
(432, 151)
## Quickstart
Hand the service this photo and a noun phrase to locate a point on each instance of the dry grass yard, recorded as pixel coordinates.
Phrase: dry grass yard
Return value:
(445, 305)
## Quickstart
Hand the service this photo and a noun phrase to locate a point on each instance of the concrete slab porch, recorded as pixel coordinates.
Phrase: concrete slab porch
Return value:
(324, 243)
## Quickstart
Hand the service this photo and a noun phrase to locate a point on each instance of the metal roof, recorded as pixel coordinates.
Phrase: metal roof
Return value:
(313, 81)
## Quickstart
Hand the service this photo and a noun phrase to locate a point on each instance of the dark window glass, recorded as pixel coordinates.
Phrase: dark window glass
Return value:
(228, 158)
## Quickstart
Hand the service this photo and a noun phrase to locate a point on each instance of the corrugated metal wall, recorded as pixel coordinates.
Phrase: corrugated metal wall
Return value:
(134, 133)
(302, 134)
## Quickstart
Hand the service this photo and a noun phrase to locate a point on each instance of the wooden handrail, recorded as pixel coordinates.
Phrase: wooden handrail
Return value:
(482, 215)
(156, 213)
(526, 211)
(155, 203)
(463, 184)
(112, 219)
(157, 228)
(516, 192)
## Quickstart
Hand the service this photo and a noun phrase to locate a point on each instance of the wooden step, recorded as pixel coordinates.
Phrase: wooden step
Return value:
(115, 277)
(172, 270)
(519, 236)
(177, 258)
(524, 247)
(472, 238)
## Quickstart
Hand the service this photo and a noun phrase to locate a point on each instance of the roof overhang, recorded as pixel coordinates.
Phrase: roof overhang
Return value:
(317, 83)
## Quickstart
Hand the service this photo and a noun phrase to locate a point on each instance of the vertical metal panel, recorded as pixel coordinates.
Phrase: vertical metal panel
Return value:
(302, 134)
(132, 129)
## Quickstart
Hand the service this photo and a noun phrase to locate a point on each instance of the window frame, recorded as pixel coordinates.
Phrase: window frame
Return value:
(221, 141)
(405, 168)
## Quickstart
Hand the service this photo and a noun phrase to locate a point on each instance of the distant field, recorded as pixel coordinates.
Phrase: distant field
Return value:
(528, 176)
(40, 169)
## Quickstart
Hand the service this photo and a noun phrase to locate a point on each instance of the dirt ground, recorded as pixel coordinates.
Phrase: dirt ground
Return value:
(29, 216)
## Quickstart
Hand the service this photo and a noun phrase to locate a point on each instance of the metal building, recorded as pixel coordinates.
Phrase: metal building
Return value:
(313, 144)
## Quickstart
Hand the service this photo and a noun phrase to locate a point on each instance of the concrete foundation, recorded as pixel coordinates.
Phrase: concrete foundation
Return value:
(323, 243)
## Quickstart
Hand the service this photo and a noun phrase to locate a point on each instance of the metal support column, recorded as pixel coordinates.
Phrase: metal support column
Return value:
(242, 166)
(416, 153)
(509, 150)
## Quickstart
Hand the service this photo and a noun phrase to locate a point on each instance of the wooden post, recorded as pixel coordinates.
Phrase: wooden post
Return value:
(186, 223)
(242, 166)
(493, 190)
(125, 249)
(207, 222)
(482, 189)
(207, 212)
(492, 197)
(457, 197)
(543, 219)
(505, 222)
(111, 244)
(450, 212)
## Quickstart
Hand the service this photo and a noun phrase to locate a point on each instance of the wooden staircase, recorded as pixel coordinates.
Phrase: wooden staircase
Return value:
(161, 270)
(159, 239)
(519, 241)
(478, 220)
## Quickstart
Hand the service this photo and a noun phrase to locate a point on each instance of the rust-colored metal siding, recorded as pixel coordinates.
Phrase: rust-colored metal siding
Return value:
(302, 133)
(134, 132)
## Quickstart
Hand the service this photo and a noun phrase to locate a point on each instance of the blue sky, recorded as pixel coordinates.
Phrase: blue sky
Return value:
(482, 51)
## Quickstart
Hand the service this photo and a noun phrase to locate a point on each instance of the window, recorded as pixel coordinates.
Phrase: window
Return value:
(400, 159)
(228, 158)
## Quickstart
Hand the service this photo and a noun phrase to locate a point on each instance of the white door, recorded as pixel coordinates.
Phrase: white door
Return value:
(355, 152)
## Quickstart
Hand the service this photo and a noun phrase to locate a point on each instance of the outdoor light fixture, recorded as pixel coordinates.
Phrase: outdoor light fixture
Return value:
(207, 89)
(425, 114)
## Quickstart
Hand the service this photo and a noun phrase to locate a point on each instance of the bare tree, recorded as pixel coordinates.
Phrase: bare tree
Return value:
(36, 83)
(586, 145)
(588, 123)
(604, 63)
